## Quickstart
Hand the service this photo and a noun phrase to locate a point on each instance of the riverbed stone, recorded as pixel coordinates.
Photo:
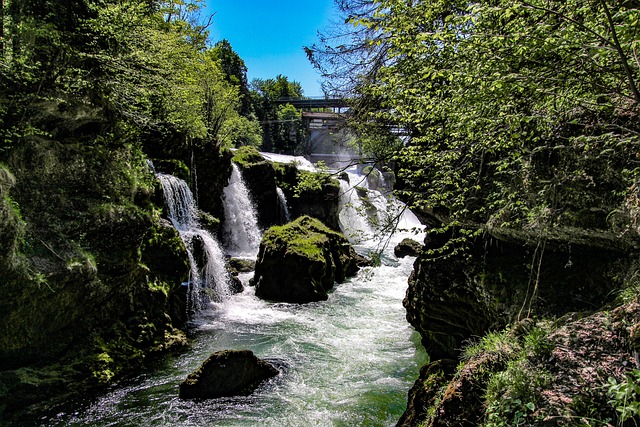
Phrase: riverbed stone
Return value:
(407, 247)
(227, 373)
(299, 262)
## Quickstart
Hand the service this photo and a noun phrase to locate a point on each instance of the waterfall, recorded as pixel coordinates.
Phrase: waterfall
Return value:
(284, 206)
(352, 217)
(347, 361)
(241, 232)
(365, 213)
(208, 269)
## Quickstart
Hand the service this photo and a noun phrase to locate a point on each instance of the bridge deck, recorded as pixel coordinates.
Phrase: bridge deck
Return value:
(308, 103)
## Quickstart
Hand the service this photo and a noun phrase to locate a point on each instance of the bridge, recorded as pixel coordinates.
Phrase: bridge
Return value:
(326, 138)
(311, 103)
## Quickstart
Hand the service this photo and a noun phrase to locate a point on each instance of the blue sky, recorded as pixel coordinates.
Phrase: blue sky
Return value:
(270, 35)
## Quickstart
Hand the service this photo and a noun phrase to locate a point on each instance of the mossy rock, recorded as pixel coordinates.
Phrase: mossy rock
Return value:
(407, 247)
(247, 155)
(227, 373)
(299, 262)
(458, 296)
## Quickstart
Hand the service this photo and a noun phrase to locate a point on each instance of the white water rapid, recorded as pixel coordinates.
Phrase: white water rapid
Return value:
(211, 272)
(366, 214)
(241, 233)
(346, 362)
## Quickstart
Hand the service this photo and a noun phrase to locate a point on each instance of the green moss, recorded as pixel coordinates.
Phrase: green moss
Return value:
(305, 236)
(246, 155)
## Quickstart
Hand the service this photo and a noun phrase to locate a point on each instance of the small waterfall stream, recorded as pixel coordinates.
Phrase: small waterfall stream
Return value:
(348, 361)
(284, 205)
(211, 272)
(242, 235)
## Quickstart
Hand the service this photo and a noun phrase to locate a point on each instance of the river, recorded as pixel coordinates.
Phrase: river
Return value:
(347, 361)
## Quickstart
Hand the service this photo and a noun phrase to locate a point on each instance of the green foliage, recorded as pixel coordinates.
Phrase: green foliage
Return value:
(495, 343)
(281, 124)
(624, 396)
(631, 288)
(512, 394)
(235, 72)
(514, 380)
(516, 114)
(240, 131)
(142, 64)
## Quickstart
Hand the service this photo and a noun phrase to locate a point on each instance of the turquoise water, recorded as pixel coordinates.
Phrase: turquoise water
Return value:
(348, 361)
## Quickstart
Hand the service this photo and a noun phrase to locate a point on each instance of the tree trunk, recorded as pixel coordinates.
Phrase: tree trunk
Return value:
(2, 29)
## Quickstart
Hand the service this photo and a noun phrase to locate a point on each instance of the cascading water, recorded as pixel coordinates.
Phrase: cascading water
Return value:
(366, 213)
(352, 217)
(211, 272)
(284, 206)
(241, 232)
(347, 361)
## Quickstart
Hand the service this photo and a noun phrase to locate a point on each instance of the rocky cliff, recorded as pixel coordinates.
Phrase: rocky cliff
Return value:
(478, 307)
(91, 272)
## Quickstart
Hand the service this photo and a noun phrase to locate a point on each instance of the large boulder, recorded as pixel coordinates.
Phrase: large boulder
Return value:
(227, 373)
(299, 262)
(407, 247)
(507, 275)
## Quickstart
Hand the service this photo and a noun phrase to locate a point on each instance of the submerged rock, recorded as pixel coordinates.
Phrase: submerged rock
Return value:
(299, 262)
(227, 373)
(408, 247)
(242, 265)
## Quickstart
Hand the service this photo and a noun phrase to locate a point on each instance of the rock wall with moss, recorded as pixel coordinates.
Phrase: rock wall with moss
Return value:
(522, 329)
(307, 193)
(91, 274)
(91, 270)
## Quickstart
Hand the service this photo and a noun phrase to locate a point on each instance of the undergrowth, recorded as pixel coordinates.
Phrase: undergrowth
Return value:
(512, 390)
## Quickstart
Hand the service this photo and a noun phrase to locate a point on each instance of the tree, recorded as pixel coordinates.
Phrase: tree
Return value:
(235, 72)
(517, 114)
(143, 63)
(280, 126)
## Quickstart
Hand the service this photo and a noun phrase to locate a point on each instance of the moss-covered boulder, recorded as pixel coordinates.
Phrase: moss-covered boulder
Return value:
(407, 247)
(299, 262)
(227, 373)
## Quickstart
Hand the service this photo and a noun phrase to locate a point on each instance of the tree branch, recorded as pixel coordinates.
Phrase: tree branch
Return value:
(623, 57)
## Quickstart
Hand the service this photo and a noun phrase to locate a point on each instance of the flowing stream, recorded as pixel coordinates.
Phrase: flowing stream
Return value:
(347, 361)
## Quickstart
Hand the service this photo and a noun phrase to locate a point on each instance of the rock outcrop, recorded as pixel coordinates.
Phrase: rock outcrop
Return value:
(310, 193)
(227, 373)
(259, 176)
(508, 276)
(299, 262)
(96, 281)
(407, 247)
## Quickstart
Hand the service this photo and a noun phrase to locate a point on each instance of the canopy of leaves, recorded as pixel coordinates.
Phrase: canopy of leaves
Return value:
(281, 124)
(140, 64)
(515, 113)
